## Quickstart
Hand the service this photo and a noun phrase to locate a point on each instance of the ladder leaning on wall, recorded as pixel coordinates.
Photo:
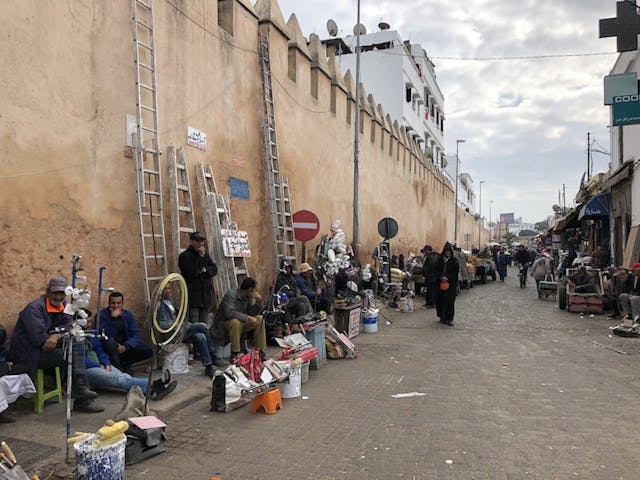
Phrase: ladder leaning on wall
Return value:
(183, 222)
(146, 148)
(284, 244)
(217, 217)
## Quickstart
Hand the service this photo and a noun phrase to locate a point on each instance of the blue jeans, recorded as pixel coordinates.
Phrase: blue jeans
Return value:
(101, 378)
(198, 335)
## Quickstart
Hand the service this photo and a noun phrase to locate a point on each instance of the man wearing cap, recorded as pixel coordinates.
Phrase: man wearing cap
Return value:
(238, 313)
(630, 300)
(308, 286)
(36, 345)
(297, 304)
(198, 268)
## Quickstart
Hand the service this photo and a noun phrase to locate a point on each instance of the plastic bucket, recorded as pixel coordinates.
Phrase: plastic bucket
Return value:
(370, 324)
(106, 463)
(178, 360)
(292, 387)
(304, 373)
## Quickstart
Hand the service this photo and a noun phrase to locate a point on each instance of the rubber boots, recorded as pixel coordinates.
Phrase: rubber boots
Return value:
(87, 405)
(80, 390)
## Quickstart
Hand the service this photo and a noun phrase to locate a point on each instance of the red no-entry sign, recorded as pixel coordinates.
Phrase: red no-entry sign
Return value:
(305, 225)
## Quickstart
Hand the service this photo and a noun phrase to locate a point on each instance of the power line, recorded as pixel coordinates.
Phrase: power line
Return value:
(523, 57)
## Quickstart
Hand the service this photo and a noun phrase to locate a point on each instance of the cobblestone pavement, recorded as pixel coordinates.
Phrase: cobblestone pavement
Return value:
(517, 389)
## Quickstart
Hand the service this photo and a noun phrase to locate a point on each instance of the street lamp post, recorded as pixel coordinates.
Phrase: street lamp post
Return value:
(455, 200)
(490, 221)
(356, 148)
(480, 215)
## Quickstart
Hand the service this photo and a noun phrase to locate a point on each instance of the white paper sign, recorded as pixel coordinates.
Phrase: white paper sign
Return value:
(235, 243)
(196, 138)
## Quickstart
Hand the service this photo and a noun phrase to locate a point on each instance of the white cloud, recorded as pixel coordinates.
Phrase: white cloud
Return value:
(525, 121)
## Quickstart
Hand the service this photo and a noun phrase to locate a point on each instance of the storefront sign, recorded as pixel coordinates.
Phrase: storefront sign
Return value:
(196, 138)
(626, 110)
(239, 188)
(620, 85)
(235, 243)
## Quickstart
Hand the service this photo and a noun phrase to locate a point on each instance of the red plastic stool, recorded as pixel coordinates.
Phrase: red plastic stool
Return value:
(269, 401)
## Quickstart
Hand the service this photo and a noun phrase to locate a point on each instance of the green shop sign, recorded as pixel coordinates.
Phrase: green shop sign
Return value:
(626, 110)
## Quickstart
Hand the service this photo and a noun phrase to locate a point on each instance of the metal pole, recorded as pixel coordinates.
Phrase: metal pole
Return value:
(356, 146)
(480, 215)
(455, 200)
(490, 221)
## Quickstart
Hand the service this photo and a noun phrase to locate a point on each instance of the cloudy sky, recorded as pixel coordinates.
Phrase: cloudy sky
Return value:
(525, 121)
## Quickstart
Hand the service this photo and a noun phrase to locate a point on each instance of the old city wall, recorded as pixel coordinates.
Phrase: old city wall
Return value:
(67, 187)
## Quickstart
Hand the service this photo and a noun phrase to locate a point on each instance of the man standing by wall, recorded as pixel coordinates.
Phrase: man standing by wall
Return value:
(198, 268)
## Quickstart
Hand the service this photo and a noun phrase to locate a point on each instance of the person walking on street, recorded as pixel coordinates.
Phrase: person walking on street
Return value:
(501, 264)
(447, 288)
(429, 267)
(198, 268)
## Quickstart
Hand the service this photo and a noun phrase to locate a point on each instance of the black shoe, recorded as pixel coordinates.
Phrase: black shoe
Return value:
(449, 323)
(80, 390)
(613, 315)
(164, 390)
(5, 419)
(87, 406)
(209, 371)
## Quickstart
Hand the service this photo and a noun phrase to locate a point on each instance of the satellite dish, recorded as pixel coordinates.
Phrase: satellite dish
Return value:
(332, 28)
(384, 26)
(359, 29)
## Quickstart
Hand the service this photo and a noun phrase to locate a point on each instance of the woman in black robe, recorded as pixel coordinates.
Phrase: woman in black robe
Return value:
(447, 273)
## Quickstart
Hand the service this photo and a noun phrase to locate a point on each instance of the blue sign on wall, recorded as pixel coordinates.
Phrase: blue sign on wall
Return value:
(239, 188)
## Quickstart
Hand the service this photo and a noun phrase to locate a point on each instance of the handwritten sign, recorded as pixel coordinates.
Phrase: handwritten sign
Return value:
(235, 243)
(354, 322)
(196, 138)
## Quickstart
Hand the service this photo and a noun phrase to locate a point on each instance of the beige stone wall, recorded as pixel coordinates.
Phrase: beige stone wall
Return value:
(66, 187)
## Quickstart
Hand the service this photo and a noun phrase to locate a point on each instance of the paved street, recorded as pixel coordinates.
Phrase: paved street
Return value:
(517, 389)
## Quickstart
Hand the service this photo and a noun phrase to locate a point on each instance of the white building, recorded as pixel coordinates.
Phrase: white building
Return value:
(623, 180)
(401, 77)
(466, 192)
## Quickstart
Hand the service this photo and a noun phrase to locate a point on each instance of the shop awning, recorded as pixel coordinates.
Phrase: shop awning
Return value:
(570, 220)
(596, 207)
(623, 173)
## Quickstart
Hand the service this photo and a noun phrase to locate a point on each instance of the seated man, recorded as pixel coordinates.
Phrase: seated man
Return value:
(307, 284)
(123, 343)
(239, 313)
(582, 281)
(102, 374)
(196, 333)
(36, 345)
(630, 299)
(298, 305)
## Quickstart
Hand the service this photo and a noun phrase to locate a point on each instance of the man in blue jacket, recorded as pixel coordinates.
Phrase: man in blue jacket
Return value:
(37, 342)
(123, 344)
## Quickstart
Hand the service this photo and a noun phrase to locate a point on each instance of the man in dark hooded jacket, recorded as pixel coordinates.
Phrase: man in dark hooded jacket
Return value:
(447, 275)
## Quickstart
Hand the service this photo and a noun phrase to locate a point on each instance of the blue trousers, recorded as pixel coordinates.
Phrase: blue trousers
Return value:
(114, 379)
(198, 335)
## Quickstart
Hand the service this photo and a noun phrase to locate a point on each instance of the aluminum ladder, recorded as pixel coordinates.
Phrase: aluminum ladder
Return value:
(217, 217)
(146, 148)
(284, 245)
(183, 222)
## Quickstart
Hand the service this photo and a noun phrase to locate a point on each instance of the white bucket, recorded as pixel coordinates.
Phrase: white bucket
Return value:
(292, 387)
(370, 324)
(177, 361)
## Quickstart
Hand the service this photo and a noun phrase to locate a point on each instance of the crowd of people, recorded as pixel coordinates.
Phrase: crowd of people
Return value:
(107, 358)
